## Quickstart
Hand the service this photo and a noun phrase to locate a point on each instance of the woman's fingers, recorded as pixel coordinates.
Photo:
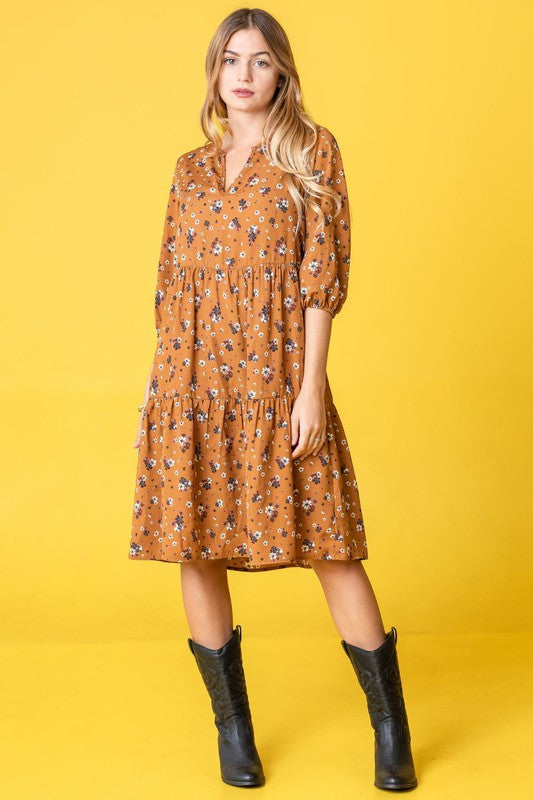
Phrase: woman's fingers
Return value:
(310, 441)
(317, 445)
(294, 427)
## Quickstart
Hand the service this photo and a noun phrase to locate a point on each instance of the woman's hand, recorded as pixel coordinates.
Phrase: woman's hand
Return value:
(308, 422)
(137, 441)
(142, 413)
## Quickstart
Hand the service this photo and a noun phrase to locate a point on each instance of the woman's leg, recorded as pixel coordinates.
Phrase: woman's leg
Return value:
(216, 647)
(351, 601)
(207, 601)
(374, 658)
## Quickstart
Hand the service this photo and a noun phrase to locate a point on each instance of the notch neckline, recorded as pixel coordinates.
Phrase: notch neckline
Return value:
(221, 154)
(252, 147)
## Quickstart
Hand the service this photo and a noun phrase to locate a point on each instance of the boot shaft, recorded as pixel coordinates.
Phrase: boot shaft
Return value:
(223, 675)
(378, 674)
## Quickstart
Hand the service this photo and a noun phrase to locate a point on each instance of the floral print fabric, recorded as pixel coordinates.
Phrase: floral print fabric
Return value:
(215, 475)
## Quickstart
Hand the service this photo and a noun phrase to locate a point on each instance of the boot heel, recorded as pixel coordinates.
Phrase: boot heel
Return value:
(223, 675)
(378, 674)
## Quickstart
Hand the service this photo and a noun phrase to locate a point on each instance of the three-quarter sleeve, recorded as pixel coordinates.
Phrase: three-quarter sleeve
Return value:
(324, 268)
(167, 257)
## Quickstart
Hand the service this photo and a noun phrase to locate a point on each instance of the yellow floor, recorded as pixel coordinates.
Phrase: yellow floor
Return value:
(85, 720)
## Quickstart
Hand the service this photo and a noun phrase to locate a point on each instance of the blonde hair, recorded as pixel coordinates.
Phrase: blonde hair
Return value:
(290, 135)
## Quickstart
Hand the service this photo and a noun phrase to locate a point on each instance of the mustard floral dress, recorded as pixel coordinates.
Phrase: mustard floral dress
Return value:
(215, 475)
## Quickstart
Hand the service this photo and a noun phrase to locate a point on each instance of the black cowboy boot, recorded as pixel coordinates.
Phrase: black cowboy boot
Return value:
(223, 675)
(379, 676)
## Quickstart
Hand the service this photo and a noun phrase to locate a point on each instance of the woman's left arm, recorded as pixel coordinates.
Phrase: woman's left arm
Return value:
(309, 413)
(324, 275)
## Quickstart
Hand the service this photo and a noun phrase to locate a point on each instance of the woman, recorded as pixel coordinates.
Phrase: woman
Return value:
(243, 461)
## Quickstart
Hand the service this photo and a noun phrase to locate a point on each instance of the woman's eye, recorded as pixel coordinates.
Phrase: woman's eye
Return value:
(229, 59)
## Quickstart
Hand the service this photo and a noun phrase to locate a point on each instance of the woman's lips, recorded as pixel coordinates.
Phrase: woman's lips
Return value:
(242, 92)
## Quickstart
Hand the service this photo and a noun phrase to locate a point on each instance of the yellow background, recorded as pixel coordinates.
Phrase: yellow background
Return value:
(430, 367)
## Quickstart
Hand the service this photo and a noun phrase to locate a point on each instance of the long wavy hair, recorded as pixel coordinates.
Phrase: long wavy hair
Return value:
(289, 134)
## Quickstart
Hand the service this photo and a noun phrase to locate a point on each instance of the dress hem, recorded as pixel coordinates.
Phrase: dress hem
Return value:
(304, 563)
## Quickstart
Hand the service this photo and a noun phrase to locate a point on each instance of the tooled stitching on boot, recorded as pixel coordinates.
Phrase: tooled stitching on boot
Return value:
(384, 693)
(228, 691)
(224, 729)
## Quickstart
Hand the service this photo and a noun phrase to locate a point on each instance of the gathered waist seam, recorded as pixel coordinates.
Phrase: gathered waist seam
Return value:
(222, 266)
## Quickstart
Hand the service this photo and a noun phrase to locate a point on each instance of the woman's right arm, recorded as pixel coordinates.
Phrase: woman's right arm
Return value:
(167, 263)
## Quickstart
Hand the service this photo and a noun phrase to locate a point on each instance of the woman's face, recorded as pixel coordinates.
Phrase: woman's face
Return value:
(247, 64)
